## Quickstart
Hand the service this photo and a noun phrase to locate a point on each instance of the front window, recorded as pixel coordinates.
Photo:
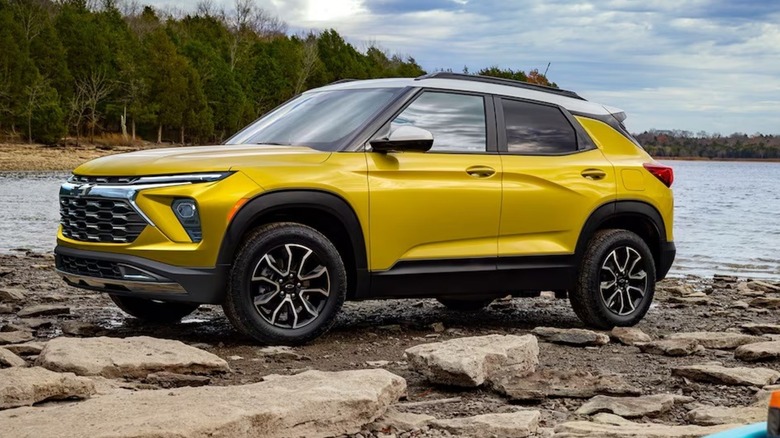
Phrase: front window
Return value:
(321, 120)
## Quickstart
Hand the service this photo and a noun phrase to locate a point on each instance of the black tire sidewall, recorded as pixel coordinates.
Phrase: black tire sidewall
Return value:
(618, 240)
(257, 247)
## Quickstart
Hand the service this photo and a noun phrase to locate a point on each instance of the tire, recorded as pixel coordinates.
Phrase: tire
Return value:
(153, 311)
(465, 305)
(287, 284)
(623, 256)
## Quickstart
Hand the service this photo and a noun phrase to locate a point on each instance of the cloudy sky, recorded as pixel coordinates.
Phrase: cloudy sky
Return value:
(711, 65)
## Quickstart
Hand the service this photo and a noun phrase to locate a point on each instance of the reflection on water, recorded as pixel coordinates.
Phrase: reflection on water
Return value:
(727, 217)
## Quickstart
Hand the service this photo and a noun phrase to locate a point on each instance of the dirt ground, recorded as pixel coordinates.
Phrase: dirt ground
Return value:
(382, 330)
(36, 157)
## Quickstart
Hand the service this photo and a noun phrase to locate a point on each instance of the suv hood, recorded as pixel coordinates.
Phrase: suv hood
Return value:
(199, 159)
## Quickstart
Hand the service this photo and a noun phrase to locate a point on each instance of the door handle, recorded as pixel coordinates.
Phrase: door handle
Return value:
(481, 171)
(594, 174)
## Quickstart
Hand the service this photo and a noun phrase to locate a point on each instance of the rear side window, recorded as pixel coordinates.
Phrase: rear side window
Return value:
(457, 121)
(534, 129)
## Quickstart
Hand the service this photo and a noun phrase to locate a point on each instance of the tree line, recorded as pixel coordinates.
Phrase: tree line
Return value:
(676, 143)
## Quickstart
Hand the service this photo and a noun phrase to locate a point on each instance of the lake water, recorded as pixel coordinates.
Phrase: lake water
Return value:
(727, 216)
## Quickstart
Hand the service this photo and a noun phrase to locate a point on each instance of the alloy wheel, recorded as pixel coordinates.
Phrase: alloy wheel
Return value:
(623, 282)
(290, 286)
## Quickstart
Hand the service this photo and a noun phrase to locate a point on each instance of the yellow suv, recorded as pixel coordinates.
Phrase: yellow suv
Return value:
(463, 188)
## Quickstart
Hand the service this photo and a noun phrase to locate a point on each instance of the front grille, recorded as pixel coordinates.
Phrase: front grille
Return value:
(88, 267)
(103, 179)
(99, 220)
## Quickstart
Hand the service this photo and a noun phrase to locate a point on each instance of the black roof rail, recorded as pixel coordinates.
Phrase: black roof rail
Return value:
(341, 81)
(499, 81)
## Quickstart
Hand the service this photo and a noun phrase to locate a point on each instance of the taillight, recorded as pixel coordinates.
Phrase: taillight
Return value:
(665, 174)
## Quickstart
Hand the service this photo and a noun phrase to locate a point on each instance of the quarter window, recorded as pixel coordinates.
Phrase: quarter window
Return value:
(535, 129)
(457, 121)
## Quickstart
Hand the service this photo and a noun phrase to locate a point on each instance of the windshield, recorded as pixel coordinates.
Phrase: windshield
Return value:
(321, 120)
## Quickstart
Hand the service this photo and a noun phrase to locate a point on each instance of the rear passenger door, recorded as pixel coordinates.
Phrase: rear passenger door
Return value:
(554, 176)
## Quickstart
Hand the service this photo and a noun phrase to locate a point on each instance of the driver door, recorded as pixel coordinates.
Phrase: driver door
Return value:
(436, 210)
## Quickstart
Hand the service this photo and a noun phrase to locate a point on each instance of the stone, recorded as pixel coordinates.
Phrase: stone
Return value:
(646, 405)
(561, 383)
(671, 347)
(37, 323)
(438, 327)
(12, 294)
(739, 304)
(766, 302)
(279, 354)
(508, 425)
(43, 310)
(474, 361)
(712, 415)
(690, 300)
(6, 309)
(312, 404)
(27, 386)
(629, 335)
(579, 337)
(763, 286)
(760, 351)
(16, 337)
(612, 426)
(728, 376)
(165, 379)
(25, 349)
(395, 420)
(747, 291)
(762, 329)
(378, 363)
(680, 290)
(80, 328)
(11, 327)
(128, 357)
(718, 340)
(9, 359)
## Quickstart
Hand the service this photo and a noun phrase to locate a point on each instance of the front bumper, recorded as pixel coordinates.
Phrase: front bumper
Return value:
(127, 275)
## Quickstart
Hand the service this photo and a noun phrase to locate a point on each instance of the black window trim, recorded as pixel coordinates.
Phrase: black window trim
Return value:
(584, 142)
(490, 121)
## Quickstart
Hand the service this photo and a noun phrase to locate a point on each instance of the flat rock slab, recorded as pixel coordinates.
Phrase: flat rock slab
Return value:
(671, 347)
(310, 404)
(646, 405)
(766, 302)
(43, 310)
(127, 357)
(762, 329)
(508, 425)
(612, 426)
(629, 335)
(10, 359)
(471, 362)
(12, 294)
(759, 351)
(560, 383)
(728, 376)
(713, 415)
(26, 386)
(578, 337)
(25, 349)
(718, 340)
(398, 421)
(15, 337)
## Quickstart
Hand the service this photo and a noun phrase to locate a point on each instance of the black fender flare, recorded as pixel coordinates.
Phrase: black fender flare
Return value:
(615, 209)
(327, 202)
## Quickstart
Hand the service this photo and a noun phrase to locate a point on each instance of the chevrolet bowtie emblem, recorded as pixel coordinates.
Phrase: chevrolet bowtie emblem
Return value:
(83, 189)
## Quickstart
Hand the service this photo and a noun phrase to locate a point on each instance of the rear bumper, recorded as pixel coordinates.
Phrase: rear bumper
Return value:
(127, 275)
(665, 259)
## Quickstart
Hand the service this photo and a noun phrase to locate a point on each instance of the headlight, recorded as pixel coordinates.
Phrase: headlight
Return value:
(186, 210)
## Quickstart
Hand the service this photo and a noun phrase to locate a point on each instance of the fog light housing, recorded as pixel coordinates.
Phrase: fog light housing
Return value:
(186, 210)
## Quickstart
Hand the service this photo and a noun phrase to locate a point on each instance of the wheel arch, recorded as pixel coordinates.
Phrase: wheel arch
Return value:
(324, 211)
(638, 217)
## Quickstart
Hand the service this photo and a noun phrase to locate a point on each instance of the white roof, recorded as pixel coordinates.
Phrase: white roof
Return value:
(570, 103)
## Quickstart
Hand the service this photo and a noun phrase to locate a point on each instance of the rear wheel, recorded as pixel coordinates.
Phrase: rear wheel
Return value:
(616, 280)
(153, 311)
(465, 305)
(287, 284)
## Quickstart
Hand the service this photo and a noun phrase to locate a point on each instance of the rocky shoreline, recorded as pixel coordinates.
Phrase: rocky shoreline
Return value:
(705, 358)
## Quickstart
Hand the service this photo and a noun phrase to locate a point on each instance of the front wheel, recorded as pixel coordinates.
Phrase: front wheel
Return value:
(153, 311)
(615, 281)
(287, 284)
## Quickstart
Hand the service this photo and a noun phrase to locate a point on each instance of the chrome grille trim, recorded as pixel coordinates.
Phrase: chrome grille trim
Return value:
(100, 220)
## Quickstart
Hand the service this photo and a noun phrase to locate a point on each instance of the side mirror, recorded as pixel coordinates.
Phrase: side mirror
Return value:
(404, 138)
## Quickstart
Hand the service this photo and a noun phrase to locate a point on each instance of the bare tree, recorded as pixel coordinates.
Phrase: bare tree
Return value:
(309, 62)
(264, 24)
(129, 8)
(30, 15)
(206, 8)
(77, 110)
(246, 19)
(34, 94)
(94, 88)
